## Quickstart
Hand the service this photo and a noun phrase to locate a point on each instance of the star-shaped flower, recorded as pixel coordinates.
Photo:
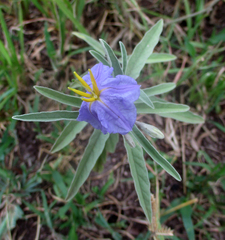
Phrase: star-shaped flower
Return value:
(108, 104)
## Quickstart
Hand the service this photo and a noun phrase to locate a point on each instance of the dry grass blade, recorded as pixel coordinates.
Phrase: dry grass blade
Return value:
(155, 227)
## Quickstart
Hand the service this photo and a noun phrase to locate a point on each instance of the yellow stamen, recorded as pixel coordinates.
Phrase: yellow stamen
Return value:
(94, 84)
(95, 93)
(83, 82)
(89, 99)
(80, 92)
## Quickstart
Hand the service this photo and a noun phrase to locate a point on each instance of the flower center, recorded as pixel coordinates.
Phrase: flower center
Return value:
(89, 97)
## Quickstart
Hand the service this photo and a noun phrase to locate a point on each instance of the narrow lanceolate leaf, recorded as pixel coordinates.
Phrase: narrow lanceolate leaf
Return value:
(159, 89)
(129, 140)
(157, 99)
(188, 117)
(111, 143)
(154, 154)
(143, 50)
(114, 62)
(140, 176)
(145, 99)
(124, 56)
(92, 152)
(48, 116)
(59, 97)
(91, 41)
(99, 57)
(161, 107)
(67, 135)
(161, 57)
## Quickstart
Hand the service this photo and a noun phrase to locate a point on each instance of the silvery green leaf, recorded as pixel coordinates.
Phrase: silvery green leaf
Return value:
(143, 50)
(161, 107)
(99, 165)
(150, 130)
(112, 142)
(145, 99)
(159, 89)
(157, 99)
(99, 57)
(129, 140)
(114, 62)
(187, 117)
(91, 41)
(161, 57)
(140, 176)
(154, 154)
(124, 56)
(59, 97)
(92, 152)
(48, 116)
(67, 135)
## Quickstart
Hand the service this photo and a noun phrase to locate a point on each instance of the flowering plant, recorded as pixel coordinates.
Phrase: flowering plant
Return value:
(110, 102)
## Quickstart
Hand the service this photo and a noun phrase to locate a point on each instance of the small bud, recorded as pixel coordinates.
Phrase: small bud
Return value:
(129, 140)
(150, 130)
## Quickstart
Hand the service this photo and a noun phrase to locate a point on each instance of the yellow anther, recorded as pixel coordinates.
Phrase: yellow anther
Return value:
(80, 92)
(95, 93)
(89, 99)
(83, 82)
(94, 84)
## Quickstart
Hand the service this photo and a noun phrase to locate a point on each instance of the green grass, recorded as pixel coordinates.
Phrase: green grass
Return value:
(41, 190)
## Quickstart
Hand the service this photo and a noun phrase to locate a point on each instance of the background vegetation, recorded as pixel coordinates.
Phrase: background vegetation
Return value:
(37, 47)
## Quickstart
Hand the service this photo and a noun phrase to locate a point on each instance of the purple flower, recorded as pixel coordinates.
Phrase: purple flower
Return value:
(108, 104)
